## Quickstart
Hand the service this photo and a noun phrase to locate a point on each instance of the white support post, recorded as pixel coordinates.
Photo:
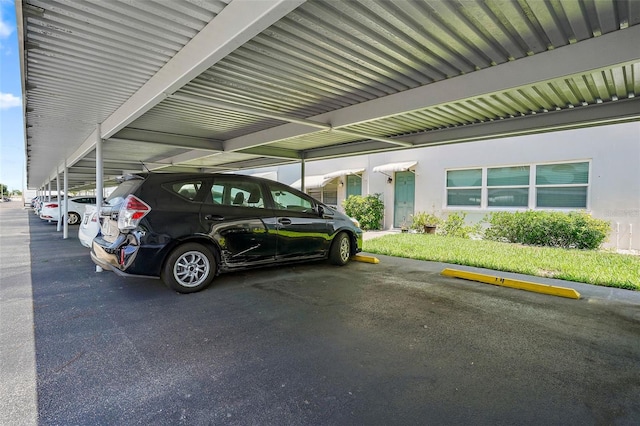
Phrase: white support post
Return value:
(99, 176)
(302, 166)
(65, 210)
(60, 218)
(49, 191)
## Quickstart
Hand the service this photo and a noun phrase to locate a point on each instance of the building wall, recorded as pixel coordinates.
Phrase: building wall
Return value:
(614, 184)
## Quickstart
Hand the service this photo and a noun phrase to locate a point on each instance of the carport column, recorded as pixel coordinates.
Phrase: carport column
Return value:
(49, 191)
(99, 177)
(65, 209)
(302, 185)
(60, 218)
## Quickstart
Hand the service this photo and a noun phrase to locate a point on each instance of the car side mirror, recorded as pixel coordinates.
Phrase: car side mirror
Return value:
(320, 210)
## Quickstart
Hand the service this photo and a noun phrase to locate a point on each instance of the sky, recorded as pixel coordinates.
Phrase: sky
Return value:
(12, 162)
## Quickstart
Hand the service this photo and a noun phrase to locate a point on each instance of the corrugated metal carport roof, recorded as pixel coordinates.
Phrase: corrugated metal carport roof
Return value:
(227, 85)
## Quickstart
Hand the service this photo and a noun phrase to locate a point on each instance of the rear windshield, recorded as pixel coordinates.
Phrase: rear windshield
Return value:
(125, 188)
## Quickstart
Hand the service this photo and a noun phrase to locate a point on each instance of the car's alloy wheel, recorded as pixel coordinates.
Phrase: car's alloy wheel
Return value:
(340, 251)
(189, 268)
(73, 219)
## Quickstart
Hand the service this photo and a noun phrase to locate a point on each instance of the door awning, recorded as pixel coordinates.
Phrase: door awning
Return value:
(346, 172)
(320, 181)
(311, 182)
(395, 167)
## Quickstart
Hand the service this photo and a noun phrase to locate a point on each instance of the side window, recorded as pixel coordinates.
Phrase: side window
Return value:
(236, 192)
(187, 190)
(287, 200)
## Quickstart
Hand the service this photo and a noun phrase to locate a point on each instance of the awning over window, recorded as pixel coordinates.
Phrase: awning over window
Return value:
(395, 167)
(346, 172)
(319, 181)
(312, 182)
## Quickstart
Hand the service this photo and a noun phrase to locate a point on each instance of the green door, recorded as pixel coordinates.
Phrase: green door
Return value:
(354, 185)
(405, 185)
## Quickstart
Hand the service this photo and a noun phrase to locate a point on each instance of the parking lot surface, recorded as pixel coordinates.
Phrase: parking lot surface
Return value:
(392, 343)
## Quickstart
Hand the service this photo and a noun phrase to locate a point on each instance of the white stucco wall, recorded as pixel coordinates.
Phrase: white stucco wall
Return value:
(614, 186)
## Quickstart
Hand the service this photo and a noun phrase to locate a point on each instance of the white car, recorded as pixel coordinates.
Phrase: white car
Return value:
(50, 210)
(89, 227)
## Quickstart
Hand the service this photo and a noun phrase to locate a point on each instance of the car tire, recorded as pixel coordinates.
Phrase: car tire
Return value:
(73, 219)
(189, 268)
(340, 251)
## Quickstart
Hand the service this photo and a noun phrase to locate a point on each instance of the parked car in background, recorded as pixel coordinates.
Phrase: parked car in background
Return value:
(51, 210)
(89, 227)
(39, 202)
(187, 228)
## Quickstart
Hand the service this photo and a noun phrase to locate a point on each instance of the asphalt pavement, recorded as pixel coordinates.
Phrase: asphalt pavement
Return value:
(392, 343)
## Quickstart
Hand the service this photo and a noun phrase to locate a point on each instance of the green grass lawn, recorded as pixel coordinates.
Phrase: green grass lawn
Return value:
(592, 267)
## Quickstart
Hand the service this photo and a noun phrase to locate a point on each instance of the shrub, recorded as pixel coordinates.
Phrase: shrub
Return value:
(454, 226)
(368, 210)
(551, 229)
(421, 221)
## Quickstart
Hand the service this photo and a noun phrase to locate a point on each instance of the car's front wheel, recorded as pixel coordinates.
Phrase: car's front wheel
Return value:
(340, 251)
(189, 268)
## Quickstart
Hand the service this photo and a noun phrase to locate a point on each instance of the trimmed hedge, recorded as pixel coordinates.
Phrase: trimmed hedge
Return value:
(551, 229)
(368, 210)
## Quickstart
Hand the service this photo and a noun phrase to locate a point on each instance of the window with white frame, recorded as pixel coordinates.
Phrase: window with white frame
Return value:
(561, 185)
(464, 187)
(508, 186)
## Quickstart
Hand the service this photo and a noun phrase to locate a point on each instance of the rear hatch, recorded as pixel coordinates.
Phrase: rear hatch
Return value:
(111, 208)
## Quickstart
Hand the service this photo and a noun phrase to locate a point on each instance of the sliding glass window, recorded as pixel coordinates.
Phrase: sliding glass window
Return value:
(544, 186)
(508, 186)
(562, 185)
(464, 187)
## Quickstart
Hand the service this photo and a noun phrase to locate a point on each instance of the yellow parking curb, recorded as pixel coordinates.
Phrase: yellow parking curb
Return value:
(507, 282)
(366, 259)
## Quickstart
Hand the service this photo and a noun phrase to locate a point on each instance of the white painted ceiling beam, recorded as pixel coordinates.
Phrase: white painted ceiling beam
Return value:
(168, 139)
(609, 113)
(237, 23)
(550, 65)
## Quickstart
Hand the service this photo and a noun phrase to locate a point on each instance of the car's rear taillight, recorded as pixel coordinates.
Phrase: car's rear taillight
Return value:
(132, 211)
(51, 206)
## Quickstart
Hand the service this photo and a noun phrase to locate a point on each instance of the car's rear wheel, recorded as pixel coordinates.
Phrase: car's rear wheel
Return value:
(73, 219)
(340, 251)
(189, 268)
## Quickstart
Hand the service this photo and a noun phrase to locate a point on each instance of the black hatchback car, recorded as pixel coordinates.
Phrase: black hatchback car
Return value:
(187, 228)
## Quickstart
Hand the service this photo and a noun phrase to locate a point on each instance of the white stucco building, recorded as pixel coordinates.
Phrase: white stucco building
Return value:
(594, 169)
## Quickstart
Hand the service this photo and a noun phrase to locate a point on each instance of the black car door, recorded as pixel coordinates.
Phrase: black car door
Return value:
(301, 231)
(234, 215)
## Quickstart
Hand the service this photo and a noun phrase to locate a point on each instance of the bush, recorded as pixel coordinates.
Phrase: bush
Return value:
(454, 226)
(421, 221)
(368, 210)
(551, 229)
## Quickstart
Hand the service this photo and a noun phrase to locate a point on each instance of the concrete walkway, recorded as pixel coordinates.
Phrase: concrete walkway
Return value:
(18, 399)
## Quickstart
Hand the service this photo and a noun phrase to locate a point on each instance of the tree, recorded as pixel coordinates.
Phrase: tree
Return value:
(4, 191)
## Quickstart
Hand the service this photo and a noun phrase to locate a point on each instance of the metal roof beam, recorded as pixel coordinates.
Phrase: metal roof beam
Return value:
(232, 106)
(168, 139)
(547, 66)
(236, 24)
(593, 115)
(273, 152)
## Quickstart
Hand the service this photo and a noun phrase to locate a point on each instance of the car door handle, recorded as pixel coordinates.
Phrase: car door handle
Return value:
(214, 217)
(284, 221)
